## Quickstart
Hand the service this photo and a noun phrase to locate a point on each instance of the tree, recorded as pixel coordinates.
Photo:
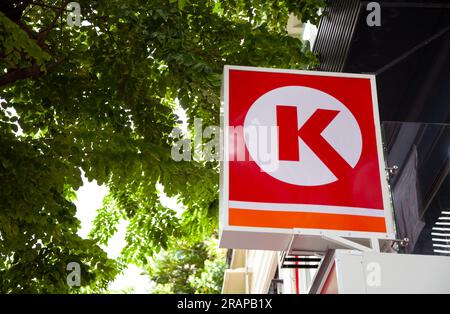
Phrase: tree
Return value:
(100, 98)
(189, 268)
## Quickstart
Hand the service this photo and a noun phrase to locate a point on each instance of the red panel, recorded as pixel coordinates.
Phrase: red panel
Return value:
(358, 187)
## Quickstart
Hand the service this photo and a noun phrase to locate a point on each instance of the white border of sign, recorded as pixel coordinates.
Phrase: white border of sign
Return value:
(224, 174)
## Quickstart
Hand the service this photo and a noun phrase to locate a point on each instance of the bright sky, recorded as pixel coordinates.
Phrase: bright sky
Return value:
(90, 197)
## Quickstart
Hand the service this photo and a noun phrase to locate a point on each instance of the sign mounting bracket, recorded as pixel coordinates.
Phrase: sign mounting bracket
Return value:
(374, 243)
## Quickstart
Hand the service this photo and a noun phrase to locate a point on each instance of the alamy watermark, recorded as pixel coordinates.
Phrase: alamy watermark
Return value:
(73, 279)
(374, 17)
(373, 274)
(74, 14)
(254, 142)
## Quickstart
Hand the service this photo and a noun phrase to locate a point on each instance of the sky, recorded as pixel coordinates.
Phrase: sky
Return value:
(89, 199)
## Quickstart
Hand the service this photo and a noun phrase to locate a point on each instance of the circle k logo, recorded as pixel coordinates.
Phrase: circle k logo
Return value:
(303, 150)
(309, 138)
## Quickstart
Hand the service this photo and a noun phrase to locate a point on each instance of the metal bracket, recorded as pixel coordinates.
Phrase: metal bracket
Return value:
(397, 244)
(393, 169)
(291, 241)
(375, 245)
(289, 259)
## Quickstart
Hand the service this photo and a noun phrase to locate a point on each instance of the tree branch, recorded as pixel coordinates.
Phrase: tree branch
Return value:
(42, 5)
(43, 34)
(26, 29)
(20, 74)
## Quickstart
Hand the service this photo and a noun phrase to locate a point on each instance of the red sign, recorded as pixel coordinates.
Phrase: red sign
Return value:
(303, 151)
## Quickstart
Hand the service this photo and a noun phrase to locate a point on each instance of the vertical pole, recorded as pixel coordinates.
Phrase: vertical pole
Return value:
(247, 285)
(297, 278)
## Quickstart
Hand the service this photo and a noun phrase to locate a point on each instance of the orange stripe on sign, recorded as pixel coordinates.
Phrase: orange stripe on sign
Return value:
(289, 220)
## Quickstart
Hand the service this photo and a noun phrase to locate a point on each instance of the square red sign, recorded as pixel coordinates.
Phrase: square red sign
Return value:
(303, 151)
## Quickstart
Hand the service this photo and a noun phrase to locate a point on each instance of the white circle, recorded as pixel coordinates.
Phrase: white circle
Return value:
(261, 137)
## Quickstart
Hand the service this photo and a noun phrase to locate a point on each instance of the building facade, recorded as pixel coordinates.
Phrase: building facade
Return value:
(409, 52)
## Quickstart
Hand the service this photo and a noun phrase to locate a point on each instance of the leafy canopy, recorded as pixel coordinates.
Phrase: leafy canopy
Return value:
(190, 268)
(100, 98)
